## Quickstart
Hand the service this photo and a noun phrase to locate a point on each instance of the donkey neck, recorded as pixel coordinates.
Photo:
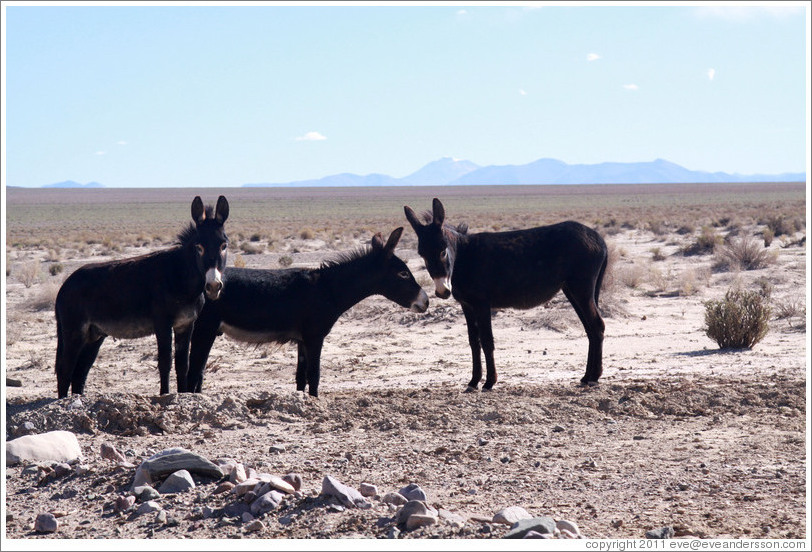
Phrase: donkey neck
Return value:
(351, 280)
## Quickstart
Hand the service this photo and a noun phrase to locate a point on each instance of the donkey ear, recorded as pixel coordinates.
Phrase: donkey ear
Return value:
(221, 211)
(377, 241)
(198, 212)
(412, 218)
(393, 240)
(439, 212)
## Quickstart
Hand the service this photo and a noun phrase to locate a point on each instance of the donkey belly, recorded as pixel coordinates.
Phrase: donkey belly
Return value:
(131, 328)
(258, 336)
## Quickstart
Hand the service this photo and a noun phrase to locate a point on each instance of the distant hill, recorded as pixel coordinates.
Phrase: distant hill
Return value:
(72, 184)
(456, 172)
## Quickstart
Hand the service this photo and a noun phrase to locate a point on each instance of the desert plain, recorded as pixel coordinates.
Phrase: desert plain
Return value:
(678, 433)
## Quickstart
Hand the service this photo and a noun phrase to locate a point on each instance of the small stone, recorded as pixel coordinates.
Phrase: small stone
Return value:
(454, 520)
(418, 520)
(276, 449)
(567, 534)
(124, 503)
(541, 525)
(235, 509)
(564, 525)
(11, 382)
(281, 485)
(265, 503)
(537, 535)
(661, 533)
(294, 479)
(393, 533)
(368, 490)
(145, 493)
(558, 429)
(109, 452)
(178, 482)
(348, 496)
(160, 517)
(223, 487)
(147, 507)
(46, 523)
(511, 515)
(247, 517)
(412, 491)
(394, 498)
(254, 526)
(247, 485)
(62, 469)
(237, 474)
(412, 508)
(482, 442)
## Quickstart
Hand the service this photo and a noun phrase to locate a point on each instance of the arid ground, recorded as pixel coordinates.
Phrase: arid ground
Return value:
(678, 433)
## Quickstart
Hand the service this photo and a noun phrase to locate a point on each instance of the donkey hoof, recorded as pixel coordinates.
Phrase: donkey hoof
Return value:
(470, 389)
(589, 383)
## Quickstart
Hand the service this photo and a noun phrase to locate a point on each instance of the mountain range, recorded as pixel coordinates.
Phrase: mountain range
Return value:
(73, 184)
(455, 172)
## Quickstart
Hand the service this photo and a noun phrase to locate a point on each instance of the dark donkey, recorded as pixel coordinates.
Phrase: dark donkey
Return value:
(519, 269)
(151, 294)
(301, 305)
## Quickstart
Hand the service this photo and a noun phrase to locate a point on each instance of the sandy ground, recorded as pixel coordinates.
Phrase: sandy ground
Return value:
(676, 434)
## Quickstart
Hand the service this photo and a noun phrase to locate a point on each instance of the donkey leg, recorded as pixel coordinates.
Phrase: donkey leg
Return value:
(587, 310)
(183, 338)
(301, 367)
(476, 351)
(87, 356)
(313, 354)
(204, 332)
(483, 317)
(163, 334)
(68, 349)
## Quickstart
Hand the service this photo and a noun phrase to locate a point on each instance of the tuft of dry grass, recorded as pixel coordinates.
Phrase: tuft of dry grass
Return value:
(45, 297)
(28, 273)
(743, 254)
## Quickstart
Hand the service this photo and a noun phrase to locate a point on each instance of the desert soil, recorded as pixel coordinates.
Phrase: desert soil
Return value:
(677, 433)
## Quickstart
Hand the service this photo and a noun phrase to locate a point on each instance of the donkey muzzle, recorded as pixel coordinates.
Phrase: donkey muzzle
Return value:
(214, 284)
(442, 288)
(421, 302)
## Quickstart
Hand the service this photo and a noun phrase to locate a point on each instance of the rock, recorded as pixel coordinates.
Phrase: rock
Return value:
(124, 503)
(368, 489)
(11, 382)
(267, 502)
(280, 484)
(58, 446)
(567, 534)
(418, 520)
(147, 507)
(109, 452)
(276, 449)
(145, 493)
(543, 525)
(178, 482)
(394, 498)
(247, 517)
(237, 474)
(454, 520)
(348, 496)
(46, 523)
(393, 533)
(661, 533)
(564, 525)
(294, 479)
(235, 509)
(412, 491)
(223, 487)
(174, 459)
(62, 469)
(413, 508)
(160, 517)
(254, 526)
(511, 515)
(246, 486)
(537, 535)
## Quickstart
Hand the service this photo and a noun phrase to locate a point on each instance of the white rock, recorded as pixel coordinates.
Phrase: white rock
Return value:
(178, 482)
(247, 485)
(419, 520)
(348, 496)
(58, 446)
(565, 525)
(147, 507)
(368, 490)
(511, 515)
(237, 474)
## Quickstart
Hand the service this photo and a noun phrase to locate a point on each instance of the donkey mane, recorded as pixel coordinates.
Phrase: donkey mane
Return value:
(189, 235)
(347, 257)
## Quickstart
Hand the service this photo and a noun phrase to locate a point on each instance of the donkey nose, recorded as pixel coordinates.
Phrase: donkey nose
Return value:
(213, 289)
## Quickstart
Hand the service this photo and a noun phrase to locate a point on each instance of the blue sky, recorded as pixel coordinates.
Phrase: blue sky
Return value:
(222, 96)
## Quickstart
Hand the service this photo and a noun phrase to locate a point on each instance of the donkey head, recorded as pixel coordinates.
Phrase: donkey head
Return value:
(398, 283)
(210, 243)
(433, 246)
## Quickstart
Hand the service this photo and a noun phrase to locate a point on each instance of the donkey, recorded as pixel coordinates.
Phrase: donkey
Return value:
(519, 269)
(151, 294)
(301, 305)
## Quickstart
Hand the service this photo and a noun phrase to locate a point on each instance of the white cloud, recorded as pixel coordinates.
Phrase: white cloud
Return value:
(711, 73)
(592, 56)
(121, 143)
(522, 92)
(462, 12)
(631, 87)
(311, 136)
(100, 153)
(747, 13)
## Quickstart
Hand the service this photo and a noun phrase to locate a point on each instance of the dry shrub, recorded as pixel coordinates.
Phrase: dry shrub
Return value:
(45, 297)
(631, 276)
(55, 269)
(250, 248)
(738, 321)
(745, 254)
(307, 234)
(657, 254)
(705, 243)
(28, 272)
(285, 261)
(790, 308)
(239, 262)
(781, 225)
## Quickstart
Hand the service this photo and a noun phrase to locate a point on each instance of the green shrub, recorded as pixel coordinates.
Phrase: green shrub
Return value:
(738, 321)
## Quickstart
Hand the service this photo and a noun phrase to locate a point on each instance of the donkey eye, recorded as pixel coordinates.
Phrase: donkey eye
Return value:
(200, 249)
(223, 246)
(443, 255)
(404, 274)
